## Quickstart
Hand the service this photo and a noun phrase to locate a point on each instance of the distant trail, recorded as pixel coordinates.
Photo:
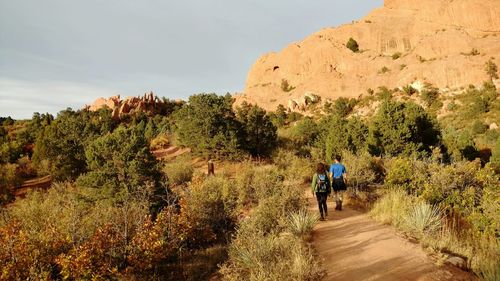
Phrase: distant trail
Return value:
(38, 183)
(169, 153)
(354, 247)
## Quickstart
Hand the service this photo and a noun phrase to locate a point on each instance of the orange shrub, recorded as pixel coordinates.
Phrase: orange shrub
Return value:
(97, 258)
(15, 255)
(155, 241)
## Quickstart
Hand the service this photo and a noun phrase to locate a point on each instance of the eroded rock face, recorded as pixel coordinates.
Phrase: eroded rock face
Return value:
(404, 41)
(147, 103)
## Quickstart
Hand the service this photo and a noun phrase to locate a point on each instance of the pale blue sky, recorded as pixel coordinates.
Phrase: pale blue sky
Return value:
(65, 53)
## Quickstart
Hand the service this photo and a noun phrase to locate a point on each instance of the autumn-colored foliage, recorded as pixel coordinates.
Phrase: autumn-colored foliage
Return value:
(155, 241)
(14, 252)
(97, 258)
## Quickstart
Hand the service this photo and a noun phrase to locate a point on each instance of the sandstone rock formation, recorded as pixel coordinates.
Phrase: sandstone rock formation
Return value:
(147, 103)
(442, 42)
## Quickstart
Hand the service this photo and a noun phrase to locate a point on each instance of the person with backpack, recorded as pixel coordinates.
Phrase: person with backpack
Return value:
(338, 174)
(321, 187)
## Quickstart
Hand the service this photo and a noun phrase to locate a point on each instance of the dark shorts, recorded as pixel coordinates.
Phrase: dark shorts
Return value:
(338, 184)
(321, 196)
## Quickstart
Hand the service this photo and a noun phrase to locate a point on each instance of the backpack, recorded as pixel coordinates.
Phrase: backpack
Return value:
(322, 184)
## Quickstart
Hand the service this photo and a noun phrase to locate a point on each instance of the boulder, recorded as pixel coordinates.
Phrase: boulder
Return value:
(457, 262)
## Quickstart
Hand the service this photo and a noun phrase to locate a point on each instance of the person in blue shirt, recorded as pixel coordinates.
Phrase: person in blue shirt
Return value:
(338, 175)
(320, 186)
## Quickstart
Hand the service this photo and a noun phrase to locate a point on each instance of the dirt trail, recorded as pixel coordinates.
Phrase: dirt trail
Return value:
(38, 183)
(354, 247)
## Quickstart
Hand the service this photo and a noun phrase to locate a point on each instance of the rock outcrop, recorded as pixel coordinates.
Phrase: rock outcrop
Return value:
(442, 42)
(146, 103)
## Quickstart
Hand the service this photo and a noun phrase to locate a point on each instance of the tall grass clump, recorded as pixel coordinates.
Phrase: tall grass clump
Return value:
(301, 223)
(392, 208)
(271, 257)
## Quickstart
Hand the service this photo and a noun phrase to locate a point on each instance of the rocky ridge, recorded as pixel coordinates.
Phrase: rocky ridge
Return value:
(442, 42)
(146, 103)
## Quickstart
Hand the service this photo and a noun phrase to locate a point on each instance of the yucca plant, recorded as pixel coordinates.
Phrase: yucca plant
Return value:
(423, 218)
(301, 223)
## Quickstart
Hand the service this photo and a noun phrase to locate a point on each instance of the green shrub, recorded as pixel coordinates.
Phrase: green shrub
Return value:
(352, 45)
(294, 116)
(495, 156)
(396, 55)
(279, 116)
(341, 134)
(452, 106)
(383, 70)
(459, 145)
(491, 69)
(10, 151)
(9, 180)
(293, 167)
(208, 126)
(208, 212)
(341, 106)
(478, 127)
(304, 132)
(285, 86)
(259, 133)
(455, 187)
(406, 174)
(409, 90)
(361, 169)
(179, 172)
(402, 128)
(68, 135)
(384, 94)
(121, 163)
(254, 183)
(160, 142)
(430, 96)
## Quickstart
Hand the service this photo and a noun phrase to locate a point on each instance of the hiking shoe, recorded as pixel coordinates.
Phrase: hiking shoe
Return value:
(340, 206)
(322, 218)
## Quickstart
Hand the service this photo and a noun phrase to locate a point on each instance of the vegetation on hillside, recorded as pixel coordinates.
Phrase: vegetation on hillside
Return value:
(115, 211)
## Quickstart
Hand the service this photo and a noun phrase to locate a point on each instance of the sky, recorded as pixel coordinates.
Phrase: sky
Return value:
(56, 54)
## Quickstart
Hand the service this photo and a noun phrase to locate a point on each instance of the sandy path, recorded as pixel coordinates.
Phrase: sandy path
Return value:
(354, 247)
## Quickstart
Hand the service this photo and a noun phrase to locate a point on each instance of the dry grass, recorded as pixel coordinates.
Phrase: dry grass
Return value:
(270, 257)
(179, 172)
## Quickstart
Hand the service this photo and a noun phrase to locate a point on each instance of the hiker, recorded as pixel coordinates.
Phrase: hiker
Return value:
(339, 178)
(320, 187)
